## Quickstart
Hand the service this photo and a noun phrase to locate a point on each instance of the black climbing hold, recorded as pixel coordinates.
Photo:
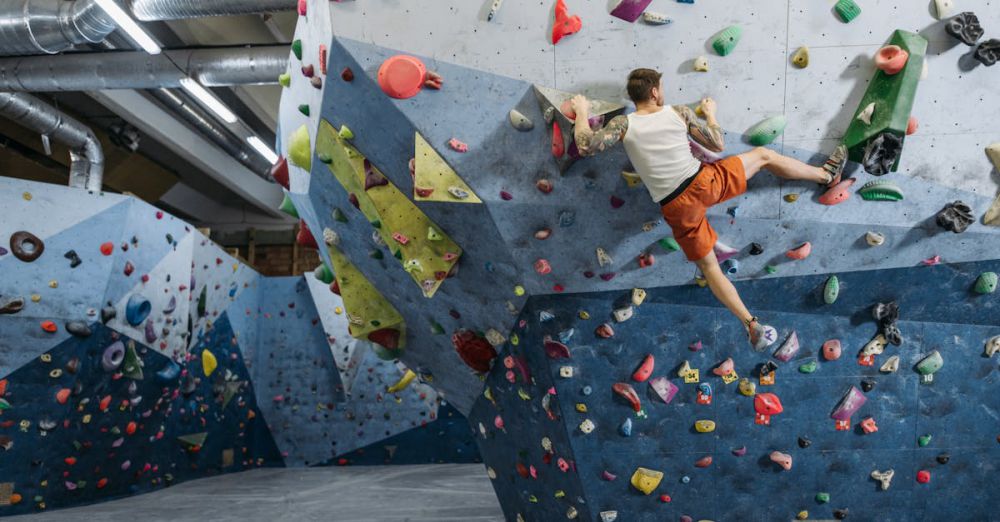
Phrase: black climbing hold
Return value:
(74, 260)
(988, 52)
(756, 249)
(108, 313)
(943, 458)
(26, 246)
(886, 313)
(767, 368)
(892, 334)
(882, 153)
(868, 385)
(804, 442)
(78, 328)
(956, 216)
(840, 514)
(965, 26)
(11, 305)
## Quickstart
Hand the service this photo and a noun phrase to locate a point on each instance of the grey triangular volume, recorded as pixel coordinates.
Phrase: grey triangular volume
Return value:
(551, 100)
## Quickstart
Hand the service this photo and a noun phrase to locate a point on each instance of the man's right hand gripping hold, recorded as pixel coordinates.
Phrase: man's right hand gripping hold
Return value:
(656, 141)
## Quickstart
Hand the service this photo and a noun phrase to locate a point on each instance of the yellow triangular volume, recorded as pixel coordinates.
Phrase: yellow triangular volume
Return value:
(434, 180)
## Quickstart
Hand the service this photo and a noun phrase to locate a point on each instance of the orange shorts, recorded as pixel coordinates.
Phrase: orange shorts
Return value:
(714, 183)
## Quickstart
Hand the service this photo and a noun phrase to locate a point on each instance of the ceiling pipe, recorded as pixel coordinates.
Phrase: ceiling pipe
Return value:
(86, 154)
(52, 26)
(212, 67)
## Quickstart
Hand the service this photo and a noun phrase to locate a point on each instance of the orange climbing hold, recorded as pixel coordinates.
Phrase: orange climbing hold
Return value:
(565, 24)
(62, 396)
(402, 76)
(838, 193)
(800, 252)
(3, 387)
(49, 326)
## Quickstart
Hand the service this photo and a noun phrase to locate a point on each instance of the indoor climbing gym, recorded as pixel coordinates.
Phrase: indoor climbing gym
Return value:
(499, 260)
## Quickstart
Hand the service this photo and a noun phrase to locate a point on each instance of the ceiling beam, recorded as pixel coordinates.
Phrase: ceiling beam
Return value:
(208, 212)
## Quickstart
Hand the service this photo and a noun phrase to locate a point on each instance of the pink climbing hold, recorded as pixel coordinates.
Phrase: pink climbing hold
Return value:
(800, 252)
(724, 368)
(891, 59)
(567, 109)
(931, 261)
(555, 349)
(458, 146)
(695, 347)
(303, 7)
(402, 76)
(558, 146)
(506, 196)
(663, 388)
(838, 193)
(912, 125)
(644, 370)
(498, 422)
(565, 24)
(433, 80)
(782, 459)
(608, 476)
(767, 404)
(831, 350)
(543, 267)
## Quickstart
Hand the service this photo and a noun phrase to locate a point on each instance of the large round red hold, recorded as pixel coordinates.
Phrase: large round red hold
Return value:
(474, 350)
(891, 59)
(402, 76)
(107, 248)
(923, 476)
(767, 404)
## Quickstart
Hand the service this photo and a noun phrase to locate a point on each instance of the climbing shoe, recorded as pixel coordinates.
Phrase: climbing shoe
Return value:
(835, 164)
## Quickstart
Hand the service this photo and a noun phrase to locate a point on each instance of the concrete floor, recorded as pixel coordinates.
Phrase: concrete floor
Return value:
(444, 492)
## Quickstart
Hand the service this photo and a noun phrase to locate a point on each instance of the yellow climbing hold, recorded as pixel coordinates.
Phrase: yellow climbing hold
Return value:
(403, 382)
(584, 315)
(26, 196)
(518, 290)
(646, 480)
(208, 362)
(581, 407)
(35, 298)
(631, 179)
(801, 57)
(299, 148)
(791, 198)
(338, 310)
(433, 177)
(803, 515)
(704, 426)
(53, 284)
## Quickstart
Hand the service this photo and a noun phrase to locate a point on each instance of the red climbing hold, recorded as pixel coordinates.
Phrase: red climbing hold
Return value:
(703, 462)
(423, 192)
(923, 476)
(543, 267)
(891, 59)
(129, 268)
(558, 145)
(555, 349)
(385, 337)
(617, 202)
(62, 396)
(474, 350)
(433, 80)
(347, 74)
(49, 326)
(665, 498)
(800, 252)
(101, 483)
(767, 404)
(644, 370)
(646, 260)
(506, 196)
(279, 172)
(626, 391)
(130, 428)
(108, 248)
(544, 186)
(565, 24)
(305, 237)
(323, 54)
(402, 76)
(838, 193)
(159, 214)
(308, 71)
(605, 331)
(912, 125)
(70, 461)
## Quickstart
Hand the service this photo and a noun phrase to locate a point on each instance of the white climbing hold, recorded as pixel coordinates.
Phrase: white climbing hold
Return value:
(874, 238)
(458, 192)
(883, 477)
(944, 8)
(891, 365)
(520, 121)
(924, 71)
(638, 296)
(866, 115)
(992, 346)
(654, 18)
(875, 346)
(494, 337)
(330, 237)
(587, 426)
(701, 64)
(609, 516)
(566, 372)
(992, 216)
(623, 314)
(603, 258)
(494, 8)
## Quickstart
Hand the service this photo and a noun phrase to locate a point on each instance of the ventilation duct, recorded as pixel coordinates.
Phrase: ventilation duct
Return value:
(214, 67)
(86, 155)
(150, 10)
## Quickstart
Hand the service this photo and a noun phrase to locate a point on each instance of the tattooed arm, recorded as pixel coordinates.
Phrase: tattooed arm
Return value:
(589, 142)
(707, 133)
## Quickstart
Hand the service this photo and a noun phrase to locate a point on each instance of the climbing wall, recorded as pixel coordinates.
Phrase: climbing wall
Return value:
(136, 354)
(546, 236)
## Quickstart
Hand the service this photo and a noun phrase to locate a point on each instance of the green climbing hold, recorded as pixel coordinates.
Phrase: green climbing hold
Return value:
(822, 498)
(377, 223)
(132, 365)
(376, 254)
(202, 301)
(288, 207)
(324, 157)
(848, 10)
(433, 235)
(765, 132)
(194, 440)
(881, 190)
(930, 364)
(924, 440)
(346, 133)
(832, 290)
(398, 254)
(669, 244)
(4, 405)
(324, 274)
(285, 80)
(987, 283)
(770, 269)
(299, 149)
(304, 109)
(436, 328)
(297, 49)
(726, 41)
(808, 367)
(338, 216)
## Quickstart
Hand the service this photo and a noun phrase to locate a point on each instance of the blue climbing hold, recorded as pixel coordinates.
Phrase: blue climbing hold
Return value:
(137, 309)
(626, 428)
(169, 372)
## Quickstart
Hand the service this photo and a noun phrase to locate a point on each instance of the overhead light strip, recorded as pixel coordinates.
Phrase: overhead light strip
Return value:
(127, 24)
(208, 99)
(261, 147)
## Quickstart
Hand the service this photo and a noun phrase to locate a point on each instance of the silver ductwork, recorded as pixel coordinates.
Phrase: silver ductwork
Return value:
(51, 26)
(149, 10)
(86, 154)
(214, 67)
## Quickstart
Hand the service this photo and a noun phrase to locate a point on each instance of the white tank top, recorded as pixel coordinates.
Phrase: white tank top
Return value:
(657, 145)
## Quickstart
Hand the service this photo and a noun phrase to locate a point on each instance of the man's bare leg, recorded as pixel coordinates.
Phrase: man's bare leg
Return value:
(790, 168)
(726, 293)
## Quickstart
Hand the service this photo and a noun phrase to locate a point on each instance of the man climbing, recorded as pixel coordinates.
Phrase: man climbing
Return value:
(656, 141)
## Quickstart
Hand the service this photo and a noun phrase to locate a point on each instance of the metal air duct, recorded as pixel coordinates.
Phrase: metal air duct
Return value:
(150, 10)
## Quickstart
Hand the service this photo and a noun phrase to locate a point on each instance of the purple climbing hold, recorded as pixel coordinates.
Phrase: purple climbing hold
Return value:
(788, 349)
(630, 10)
(113, 356)
(739, 452)
(3, 251)
(664, 389)
(849, 404)
(150, 332)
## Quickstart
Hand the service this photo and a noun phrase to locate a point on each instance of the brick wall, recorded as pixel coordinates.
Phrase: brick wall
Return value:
(277, 260)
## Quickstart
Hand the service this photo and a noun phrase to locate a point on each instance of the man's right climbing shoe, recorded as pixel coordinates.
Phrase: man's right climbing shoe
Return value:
(761, 335)
(835, 164)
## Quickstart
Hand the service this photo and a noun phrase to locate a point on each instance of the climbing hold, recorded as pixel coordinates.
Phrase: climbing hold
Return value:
(765, 132)
(26, 246)
(654, 18)
(703, 462)
(851, 402)
(891, 59)
(884, 478)
(923, 476)
(169, 372)
(986, 283)
(791, 198)
(520, 121)
(695, 346)
(924, 440)
(78, 328)
(402, 76)
(137, 309)
(831, 350)
(558, 144)
(11, 305)
(669, 244)
(74, 259)
(542, 266)
(874, 238)
(929, 365)
(555, 349)
(646, 480)
(868, 425)
(279, 173)
(626, 391)
(747, 387)
(288, 207)
(802, 515)
(726, 41)
(788, 349)
(663, 388)
(474, 350)
(956, 217)
(943, 8)
(724, 368)
(891, 365)
(731, 266)
(630, 10)
(832, 290)
(804, 442)
(988, 52)
(347, 74)
(704, 426)
(740, 451)
(701, 64)
(881, 190)
(866, 114)
(800, 252)
(285, 79)
(113, 356)
(809, 366)
(132, 364)
(565, 24)
(609, 516)
(782, 459)
(623, 314)
(840, 514)
(299, 151)
(767, 404)
(965, 27)
(801, 57)
(912, 125)
(882, 153)
(644, 370)
(838, 193)
(943, 458)
(208, 362)
(992, 347)
(822, 497)
(457, 145)
(848, 10)
(638, 296)
(304, 109)
(587, 426)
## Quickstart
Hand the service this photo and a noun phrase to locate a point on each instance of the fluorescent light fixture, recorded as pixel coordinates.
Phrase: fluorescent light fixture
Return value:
(261, 147)
(127, 24)
(209, 100)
